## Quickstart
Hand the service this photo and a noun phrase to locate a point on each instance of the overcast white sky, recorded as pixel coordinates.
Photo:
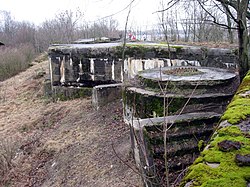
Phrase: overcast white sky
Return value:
(37, 11)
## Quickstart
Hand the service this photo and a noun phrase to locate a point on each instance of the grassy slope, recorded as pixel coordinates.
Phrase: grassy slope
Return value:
(65, 143)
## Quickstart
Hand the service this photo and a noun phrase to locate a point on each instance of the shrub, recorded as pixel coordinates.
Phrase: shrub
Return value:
(15, 60)
(8, 148)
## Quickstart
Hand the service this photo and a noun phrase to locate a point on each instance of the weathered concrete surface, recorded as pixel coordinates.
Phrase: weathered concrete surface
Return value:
(74, 64)
(195, 102)
(94, 64)
(103, 94)
(88, 65)
(207, 92)
(206, 75)
(185, 131)
(206, 80)
(65, 93)
(232, 166)
(141, 103)
(47, 88)
(183, 118)
(82, 71)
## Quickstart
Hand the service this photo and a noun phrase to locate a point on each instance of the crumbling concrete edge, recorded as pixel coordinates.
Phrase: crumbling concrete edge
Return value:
(225, 161)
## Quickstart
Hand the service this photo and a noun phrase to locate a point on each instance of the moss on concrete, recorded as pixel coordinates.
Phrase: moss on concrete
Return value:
(146, 50)
(66, 93)
(133, 50)
(201, 144)
(152, 105)
(228, 173)
(239, 108)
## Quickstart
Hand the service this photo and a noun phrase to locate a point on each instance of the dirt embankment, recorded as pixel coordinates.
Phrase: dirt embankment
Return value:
(60, 143)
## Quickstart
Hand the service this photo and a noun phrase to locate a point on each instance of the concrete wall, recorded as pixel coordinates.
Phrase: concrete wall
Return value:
(81, 64)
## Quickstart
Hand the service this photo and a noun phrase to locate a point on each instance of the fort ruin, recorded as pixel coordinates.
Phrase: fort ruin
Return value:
(197, 82)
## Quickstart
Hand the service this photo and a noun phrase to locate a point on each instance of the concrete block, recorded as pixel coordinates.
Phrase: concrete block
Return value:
(103, 94)
(66, 93)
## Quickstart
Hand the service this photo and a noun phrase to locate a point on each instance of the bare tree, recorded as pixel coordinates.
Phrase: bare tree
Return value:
(61, 29)
(7, 27)
(241, 7)
(107, 27)
(162, 20)
(24, 33)
(239, 12)
(229, 23)
(13, 33)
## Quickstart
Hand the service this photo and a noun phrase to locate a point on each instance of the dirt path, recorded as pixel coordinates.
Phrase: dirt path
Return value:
(61, 143)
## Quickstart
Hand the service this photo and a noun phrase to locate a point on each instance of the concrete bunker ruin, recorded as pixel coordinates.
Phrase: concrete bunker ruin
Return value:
(196, 82)
(193, 100)
(87, 65)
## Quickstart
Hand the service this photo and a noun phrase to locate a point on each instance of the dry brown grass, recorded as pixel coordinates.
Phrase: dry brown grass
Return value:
(62, 143)
(8, 149)
(208, 44)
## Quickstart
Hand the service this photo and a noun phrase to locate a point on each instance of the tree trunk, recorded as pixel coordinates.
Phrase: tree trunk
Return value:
(243, 38)
(229, 23)
(243, 50)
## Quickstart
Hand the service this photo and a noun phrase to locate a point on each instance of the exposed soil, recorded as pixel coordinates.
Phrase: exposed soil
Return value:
(61, 143)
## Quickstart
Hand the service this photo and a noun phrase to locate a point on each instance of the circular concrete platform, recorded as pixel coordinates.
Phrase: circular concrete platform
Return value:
(201, 89)
(204, 76)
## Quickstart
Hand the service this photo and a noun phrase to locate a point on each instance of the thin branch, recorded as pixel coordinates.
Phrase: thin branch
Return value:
(165, 113)
(230, 3)
(125, 8)
(123, 161)
(175, 2)
(189, 98)
(233, 4)
(182, 172)
(125, 31)
(216, 5)
(229, 12)
(214, 19)
(211, 22)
